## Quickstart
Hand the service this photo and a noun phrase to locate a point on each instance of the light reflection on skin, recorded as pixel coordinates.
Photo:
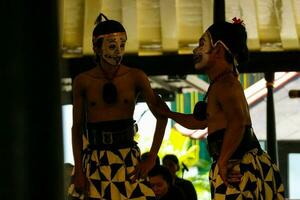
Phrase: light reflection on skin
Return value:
(113, 48)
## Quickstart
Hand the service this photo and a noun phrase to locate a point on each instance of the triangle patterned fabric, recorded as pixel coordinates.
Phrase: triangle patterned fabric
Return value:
(260, 180)
(107, 172)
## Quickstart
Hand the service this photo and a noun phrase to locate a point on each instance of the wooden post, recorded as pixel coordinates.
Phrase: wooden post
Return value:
(30, 117)
(271, 123)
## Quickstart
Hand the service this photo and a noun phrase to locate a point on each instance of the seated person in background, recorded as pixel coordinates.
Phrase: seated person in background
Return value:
(171, 162)
(161, 182)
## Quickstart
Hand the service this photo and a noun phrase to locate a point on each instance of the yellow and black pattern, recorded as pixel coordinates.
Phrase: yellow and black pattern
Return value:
(260, 181)
(107, 172)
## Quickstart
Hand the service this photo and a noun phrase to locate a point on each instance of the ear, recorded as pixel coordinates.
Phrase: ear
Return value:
(219, 50)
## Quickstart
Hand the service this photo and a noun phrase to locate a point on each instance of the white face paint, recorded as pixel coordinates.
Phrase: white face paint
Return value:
(113, 48)
(202, 52)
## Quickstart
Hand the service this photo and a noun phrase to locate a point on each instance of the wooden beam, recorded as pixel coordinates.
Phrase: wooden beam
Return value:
(174, 64)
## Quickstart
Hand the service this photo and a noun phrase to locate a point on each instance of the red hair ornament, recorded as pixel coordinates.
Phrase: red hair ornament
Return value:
(238, 21)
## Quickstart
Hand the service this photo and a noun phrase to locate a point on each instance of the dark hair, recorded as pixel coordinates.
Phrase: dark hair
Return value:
(234, 36)
(105, 26)
(162, 171)
(171, 157)
(145, 155)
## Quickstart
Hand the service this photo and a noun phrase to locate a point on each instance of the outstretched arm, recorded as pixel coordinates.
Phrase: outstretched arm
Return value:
(186, 120)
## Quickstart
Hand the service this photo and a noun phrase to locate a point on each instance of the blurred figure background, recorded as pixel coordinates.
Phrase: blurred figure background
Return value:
(161, 182)
(171, 162)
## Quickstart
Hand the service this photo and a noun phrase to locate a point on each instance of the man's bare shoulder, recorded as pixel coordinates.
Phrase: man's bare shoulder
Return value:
(228, 87)
(133, 73)
(84, 77)
(92, 73)
(138, 73)
(132, 70)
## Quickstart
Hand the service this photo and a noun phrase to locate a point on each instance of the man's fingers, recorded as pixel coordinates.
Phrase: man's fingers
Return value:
(237, 177)
(135, 171)
(234, 177)
(225, 181)
(232, 163)
(134, 174)
(234, 180)
(223, 177)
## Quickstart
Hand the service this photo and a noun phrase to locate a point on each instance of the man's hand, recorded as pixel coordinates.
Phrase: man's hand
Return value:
(81, 183)
(234, 173)
(229, 172)
(142, 169)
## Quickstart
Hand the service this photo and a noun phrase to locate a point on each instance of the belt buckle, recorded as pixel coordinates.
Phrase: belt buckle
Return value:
(107, 137)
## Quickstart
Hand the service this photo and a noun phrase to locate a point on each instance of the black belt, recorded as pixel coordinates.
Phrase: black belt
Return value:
(249, 141)
(110, 139)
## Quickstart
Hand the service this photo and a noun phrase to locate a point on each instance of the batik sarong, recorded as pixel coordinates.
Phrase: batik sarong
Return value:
(107, 172)
(260, 180)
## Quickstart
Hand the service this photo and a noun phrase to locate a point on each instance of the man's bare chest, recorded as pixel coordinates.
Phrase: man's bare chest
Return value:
(96, 94)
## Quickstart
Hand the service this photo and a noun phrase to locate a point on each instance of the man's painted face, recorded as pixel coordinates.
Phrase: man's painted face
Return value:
(202, 52)
(113, 48)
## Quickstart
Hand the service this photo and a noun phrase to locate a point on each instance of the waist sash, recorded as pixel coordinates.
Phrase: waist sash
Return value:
(249, 141)
(111, 134)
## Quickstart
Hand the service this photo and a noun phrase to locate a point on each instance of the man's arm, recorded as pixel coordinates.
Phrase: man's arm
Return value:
(78, 113)
(143, 85)
(231, 100)
(188, 120)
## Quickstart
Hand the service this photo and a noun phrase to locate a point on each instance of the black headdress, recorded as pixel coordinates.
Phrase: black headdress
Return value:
(234, 38)
(103, 28)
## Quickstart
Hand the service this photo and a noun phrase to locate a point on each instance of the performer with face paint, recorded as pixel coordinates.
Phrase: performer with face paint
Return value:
(107, 159)
(240, 168)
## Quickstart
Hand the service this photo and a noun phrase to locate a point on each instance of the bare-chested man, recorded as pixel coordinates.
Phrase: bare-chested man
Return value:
(104, 99)
(240, 169)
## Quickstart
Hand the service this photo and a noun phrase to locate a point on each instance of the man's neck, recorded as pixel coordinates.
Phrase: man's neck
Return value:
(106, 66)
(217, 69)
(109, 71)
